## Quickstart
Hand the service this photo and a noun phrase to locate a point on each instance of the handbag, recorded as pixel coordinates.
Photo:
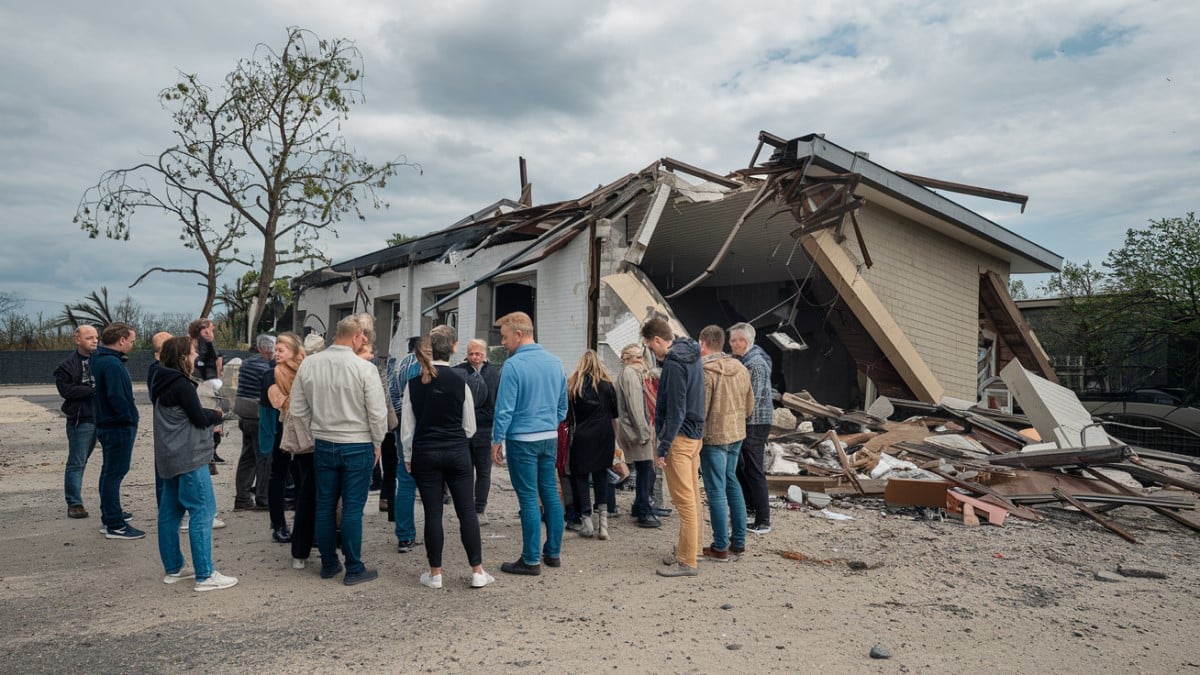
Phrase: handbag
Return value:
(297, 439)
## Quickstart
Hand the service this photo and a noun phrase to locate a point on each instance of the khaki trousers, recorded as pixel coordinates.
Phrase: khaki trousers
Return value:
(683, 482)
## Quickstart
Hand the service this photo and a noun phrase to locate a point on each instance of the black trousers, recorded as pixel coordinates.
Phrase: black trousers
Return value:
(389, 460)
(481, 461)
(305, 522)
(579, 491)
(433, 471)
(643, 488)
(281, 464)
(750, 472)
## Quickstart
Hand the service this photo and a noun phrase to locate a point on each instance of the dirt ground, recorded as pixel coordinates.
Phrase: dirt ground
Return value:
(939, 596)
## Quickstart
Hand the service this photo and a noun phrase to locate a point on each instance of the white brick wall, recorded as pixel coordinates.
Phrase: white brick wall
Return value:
(561, 296)
(930, 284)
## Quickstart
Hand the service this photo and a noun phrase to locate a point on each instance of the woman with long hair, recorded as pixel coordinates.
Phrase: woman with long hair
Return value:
(436, 424)
(592, 409)
(183, 446)
(289, 352)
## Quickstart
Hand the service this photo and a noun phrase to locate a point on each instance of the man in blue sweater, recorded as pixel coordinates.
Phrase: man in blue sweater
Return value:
(530, 403)
(116, 424)
(679, 427)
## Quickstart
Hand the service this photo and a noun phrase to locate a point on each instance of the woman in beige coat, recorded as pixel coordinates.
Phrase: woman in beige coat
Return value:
(635, 429)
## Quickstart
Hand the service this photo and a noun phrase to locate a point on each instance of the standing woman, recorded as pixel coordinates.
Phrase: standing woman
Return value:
(288, 355)
(592, 401)
(183, 446)
(635, 431)
(436, 424)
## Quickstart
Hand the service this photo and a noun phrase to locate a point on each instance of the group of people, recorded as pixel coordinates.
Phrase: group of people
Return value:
(325, 418)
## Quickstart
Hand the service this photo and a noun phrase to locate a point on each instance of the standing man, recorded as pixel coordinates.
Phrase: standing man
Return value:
(728, 401)
(209, 365)
(484, 381)
(401, 510)
(530, 403)
(341, 398)
(253, 467)
(116, 425)
(73, 377)
(758, 425)
(679, 426)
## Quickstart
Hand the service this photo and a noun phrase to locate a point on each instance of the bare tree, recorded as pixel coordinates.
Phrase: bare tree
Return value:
(266, 153)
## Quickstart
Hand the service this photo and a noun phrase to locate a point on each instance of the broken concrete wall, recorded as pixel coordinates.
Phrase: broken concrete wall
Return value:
(930, 285)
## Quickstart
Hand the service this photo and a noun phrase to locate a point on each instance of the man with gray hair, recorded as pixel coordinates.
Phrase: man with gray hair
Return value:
(340, 396)
(758, 425)
(253, 467)
(484, 380)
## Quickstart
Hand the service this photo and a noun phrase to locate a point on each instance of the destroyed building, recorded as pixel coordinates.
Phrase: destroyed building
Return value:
(860, 280)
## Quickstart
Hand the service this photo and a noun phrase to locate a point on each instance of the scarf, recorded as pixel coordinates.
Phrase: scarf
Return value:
(281, 392)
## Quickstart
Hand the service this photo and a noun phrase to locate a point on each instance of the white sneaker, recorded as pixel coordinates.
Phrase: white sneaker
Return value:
(431, 581)
(297, 563)
(218, 523)
(481, 579)
(216, 582)
(185, 572)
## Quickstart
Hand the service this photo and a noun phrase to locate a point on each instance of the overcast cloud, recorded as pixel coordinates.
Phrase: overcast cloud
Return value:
(1087, 106)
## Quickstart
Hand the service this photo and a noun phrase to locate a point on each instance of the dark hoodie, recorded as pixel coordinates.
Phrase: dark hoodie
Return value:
(113, 403)
(182, 428)
(679, 410)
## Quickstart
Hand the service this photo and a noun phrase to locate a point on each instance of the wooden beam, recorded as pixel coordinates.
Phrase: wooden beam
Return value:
(1177, 517)
(992, 286)
(1063, 496)
(854, 290)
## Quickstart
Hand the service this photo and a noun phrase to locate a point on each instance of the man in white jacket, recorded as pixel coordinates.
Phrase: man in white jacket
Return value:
(340, 397)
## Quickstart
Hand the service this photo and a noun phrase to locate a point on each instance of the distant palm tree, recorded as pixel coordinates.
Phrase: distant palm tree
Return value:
(94, 311)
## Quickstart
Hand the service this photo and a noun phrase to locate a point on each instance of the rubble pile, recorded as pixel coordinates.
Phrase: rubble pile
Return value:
(978, 464)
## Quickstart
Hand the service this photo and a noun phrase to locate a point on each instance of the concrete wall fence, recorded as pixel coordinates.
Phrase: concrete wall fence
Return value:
(38, 367)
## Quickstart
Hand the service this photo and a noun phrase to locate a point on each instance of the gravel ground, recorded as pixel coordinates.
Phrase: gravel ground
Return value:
(936, 595)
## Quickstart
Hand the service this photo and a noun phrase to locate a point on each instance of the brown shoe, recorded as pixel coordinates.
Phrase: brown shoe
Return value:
(713, 554)
(76, 511)
(212, 468)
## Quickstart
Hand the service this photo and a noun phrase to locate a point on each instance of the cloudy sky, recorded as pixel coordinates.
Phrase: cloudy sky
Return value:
(1090, 107)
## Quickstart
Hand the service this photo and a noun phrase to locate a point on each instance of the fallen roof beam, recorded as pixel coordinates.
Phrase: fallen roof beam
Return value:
(676, 165)
(1177, 517)
(840, 270)
(1047, 459)
(972, 190)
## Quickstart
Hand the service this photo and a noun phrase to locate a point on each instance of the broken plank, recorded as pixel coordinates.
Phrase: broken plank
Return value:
(1018, 511)
(1058, 492)
(845, 462)
(969, 517)
(1177, 517)
(1143, 472)
(1045, 459)
(956, 501)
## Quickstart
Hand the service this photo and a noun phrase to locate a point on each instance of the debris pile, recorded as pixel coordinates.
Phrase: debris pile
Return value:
(978, 464)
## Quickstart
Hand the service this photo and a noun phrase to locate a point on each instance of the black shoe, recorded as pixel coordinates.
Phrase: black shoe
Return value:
(574, 525)
(519, 567)
(331, 572)
(366, 575)
(661, 513)
(551, 561)
(406, 545)
(650, 521)
(243, 507)
(282, 535)
(217, 459)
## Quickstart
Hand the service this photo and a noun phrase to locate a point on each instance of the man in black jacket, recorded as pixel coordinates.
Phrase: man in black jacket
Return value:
(73, 377)
(484, 380)
(254, 467)
(116, 424)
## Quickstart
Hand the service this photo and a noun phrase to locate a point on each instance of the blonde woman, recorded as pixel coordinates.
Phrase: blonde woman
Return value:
(288, 355)
(592, 412)
(635, 430)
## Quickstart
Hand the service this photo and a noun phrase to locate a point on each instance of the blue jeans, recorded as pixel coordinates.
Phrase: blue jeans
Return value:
(531, 469)
(116, 443)
(403, 505)
(343, 472)
(191, 492)
(81, 441)
(718, 466)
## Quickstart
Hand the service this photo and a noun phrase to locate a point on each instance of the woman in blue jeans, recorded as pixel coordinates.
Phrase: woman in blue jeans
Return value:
(436, 424)
(183, 446)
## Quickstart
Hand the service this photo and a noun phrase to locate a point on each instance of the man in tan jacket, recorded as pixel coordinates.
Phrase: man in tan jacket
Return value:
(728, 400)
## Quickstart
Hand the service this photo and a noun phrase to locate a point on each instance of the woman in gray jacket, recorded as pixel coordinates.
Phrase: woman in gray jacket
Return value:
(183, 446)
(635, 429)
